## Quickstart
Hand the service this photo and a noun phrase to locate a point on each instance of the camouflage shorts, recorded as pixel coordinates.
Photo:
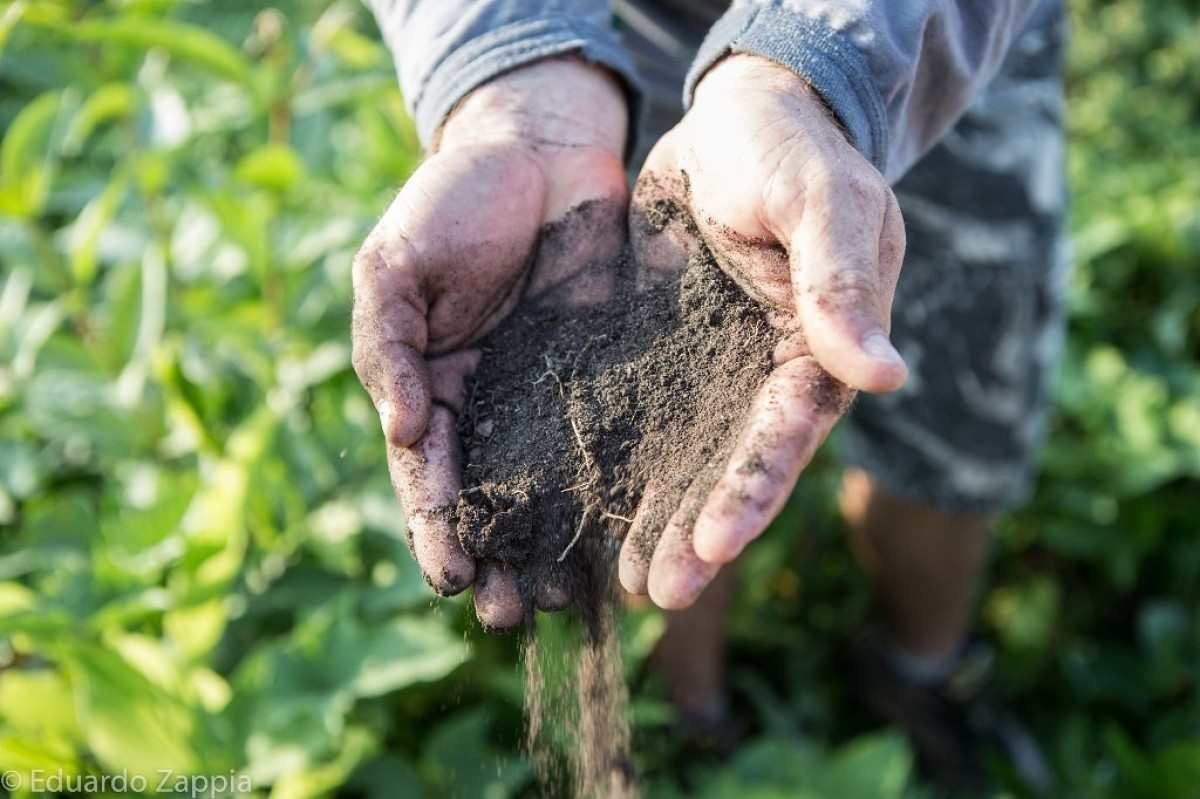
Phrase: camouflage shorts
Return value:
(978, 314)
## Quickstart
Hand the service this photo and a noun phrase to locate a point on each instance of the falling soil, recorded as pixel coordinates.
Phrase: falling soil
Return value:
(572, 412)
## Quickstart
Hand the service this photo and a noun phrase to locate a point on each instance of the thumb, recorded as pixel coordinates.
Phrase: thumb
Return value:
(845, 256)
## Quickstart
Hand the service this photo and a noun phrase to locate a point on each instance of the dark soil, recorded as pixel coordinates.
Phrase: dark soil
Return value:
(570, 414)
(573, 411)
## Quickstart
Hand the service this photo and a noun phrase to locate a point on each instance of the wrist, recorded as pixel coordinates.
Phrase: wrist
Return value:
(737, 74)
(551, 106)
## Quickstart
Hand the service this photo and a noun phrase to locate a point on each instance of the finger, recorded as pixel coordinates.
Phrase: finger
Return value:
(426, 480)
(552, 593)
(661, 229)
(388, 336)
(791, 415)
(677, 575)
(448, 377)
(498, 597)
(651, 516)
(844, 275)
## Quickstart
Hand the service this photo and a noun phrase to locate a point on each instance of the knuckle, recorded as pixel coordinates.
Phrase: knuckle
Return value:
(893, 241)
(821, 182)
(893, 204)
(363, 328)
(894, 222)
(851, 287)
(866, 187)
(368, 262)
(822, 393)
(362, 360)
(784, 194)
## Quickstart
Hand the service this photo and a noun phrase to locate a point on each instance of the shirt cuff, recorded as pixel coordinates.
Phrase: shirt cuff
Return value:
(510, 46)
(830, 63)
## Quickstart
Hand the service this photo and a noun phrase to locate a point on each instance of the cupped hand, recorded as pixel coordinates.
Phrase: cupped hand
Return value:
(804, 224)
(460, 244)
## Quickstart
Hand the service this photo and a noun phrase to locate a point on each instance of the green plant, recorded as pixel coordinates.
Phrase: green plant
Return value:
(201, 564)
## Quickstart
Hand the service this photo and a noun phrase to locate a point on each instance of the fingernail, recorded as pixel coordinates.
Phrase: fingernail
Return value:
(384, 408)
(876, 345)
(679, 589)
(715, 549)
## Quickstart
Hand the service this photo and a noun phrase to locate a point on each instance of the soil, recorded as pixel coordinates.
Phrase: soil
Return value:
(572, 412)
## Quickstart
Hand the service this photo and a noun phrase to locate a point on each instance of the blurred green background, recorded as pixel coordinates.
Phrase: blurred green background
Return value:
(201, 564)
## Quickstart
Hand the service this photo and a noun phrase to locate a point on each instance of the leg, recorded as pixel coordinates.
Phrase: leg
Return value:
(978, 317)
(691, 654)
(926, 564)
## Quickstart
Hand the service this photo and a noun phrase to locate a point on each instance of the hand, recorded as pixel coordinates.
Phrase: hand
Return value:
(804, 224)
(450, 258)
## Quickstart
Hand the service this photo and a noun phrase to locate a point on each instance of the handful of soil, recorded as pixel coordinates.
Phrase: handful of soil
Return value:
(574, 410)
(570, 414)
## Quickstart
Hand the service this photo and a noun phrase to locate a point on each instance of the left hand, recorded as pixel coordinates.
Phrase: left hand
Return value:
(804, 224)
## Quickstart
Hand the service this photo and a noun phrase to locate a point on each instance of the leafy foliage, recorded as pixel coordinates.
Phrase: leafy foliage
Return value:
(202, 567)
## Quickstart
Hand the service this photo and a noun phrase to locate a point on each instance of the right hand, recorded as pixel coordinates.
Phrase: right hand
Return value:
(449, 260)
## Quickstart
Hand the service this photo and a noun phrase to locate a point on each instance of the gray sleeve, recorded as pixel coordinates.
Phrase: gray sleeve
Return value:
(445, 48)
(897, 73)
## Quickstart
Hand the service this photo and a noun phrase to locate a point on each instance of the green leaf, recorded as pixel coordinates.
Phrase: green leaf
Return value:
(274, 166)
(355, 49)
(15, 598)
(290, 718)
(161, 662)
(245, 219)
(215, 525)
(85, 236)
(462, 755)
(105, 103)
(80, 410)
(372, 661)
(9, 18)
(321, 780)
(26, 158)
(196, 629)
(869, 767)
(295, 696)
(354, 89)
(1025, 615)
(409, 651)
(185, 42)
(130, 723)
(38, 703)
(139, 538)
(875, 767)
(26, 754)
(385, 777)
(20, 472)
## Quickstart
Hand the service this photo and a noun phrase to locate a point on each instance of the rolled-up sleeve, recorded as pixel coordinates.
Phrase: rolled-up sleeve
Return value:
(896, 74)
(445, 48)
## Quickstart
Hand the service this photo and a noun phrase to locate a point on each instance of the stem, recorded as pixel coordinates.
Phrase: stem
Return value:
(48, 257)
